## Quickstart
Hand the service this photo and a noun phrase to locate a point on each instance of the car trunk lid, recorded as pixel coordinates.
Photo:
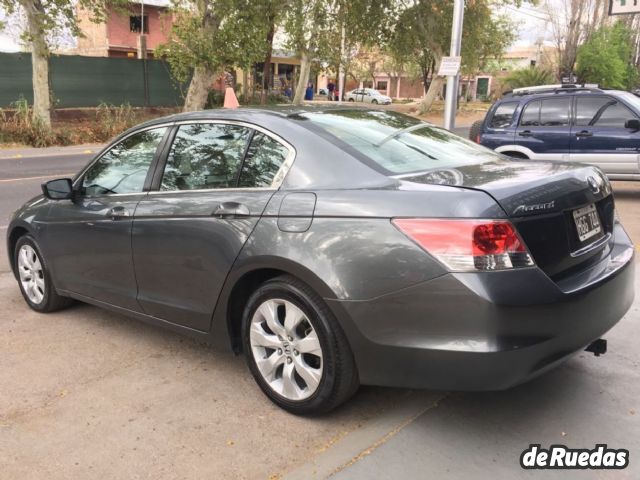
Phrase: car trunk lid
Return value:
(545, 201)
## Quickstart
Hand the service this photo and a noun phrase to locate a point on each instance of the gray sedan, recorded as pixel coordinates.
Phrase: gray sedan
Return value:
(335, 247)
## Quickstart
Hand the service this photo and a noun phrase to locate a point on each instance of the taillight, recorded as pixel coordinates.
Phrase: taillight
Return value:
(468, 245)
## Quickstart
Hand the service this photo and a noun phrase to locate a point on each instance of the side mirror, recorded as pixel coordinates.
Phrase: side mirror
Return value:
(59, 189)
(633, 124)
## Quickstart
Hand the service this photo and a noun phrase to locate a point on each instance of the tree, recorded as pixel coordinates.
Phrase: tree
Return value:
(423, 36)
(608, 58)
(306, 24)
(573, 22)
(208, 36)
(528, 77)
(45, 19)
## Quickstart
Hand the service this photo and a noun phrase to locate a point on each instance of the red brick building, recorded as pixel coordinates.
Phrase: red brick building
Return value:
(120, 35)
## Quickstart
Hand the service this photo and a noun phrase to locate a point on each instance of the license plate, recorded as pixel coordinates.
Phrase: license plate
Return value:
(587, 222)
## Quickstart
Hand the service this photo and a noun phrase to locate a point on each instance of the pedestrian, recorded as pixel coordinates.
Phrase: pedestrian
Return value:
(330, 88)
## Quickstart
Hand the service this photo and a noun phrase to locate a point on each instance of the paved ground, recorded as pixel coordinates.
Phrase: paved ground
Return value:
(89, 394)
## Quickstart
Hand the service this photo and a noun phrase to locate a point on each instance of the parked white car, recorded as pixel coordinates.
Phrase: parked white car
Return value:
(367, 95)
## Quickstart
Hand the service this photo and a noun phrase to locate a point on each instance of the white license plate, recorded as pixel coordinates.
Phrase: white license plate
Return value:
(587, 222)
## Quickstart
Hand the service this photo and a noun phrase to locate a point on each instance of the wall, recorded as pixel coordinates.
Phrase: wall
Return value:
(78, 81)
(120, 34)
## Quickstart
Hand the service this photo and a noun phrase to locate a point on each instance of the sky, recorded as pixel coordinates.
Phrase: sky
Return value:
(530, 21)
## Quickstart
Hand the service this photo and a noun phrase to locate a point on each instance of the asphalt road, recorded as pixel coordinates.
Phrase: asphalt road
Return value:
(87, 393)
(23, 170)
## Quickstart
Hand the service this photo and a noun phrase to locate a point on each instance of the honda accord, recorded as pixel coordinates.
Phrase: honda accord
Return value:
(335, 247)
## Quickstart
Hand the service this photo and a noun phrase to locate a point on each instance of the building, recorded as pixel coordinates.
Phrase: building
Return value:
(120, 35)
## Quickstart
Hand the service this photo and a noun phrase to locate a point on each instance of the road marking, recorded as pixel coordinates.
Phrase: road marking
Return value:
(56, 175)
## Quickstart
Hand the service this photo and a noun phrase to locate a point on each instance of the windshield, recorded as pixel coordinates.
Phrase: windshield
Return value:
(395, 143)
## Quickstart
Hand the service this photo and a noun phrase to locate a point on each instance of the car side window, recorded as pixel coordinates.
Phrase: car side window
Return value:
(531, 114)
(503, 115)
(123, 169)
(554, 112)
(264, 158)
(205, 156)
(601, 112)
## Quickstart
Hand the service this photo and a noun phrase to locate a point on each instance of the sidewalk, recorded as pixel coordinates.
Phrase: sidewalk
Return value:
(31, 152)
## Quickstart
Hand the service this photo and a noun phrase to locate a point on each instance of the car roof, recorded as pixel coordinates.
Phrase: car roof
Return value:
(524, 95)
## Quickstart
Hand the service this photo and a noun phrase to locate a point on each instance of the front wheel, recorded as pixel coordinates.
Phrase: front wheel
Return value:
(351, 100)
(34, 278)
(296, 349)
(375, 102)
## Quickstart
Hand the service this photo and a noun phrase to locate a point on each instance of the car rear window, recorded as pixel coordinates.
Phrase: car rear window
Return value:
(393, 143)
(503, 115)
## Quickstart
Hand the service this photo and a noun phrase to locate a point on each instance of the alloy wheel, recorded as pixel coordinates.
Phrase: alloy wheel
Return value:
(31, 274)
(286, 349)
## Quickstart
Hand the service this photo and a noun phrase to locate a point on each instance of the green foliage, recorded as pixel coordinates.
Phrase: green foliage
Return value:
(606, 58)
(215, 34)
(112, 120)
(20, 126)
(528, 77)
(423, 34)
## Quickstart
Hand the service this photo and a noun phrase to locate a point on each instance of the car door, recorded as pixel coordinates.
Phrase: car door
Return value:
(217, 179)
(89, 237)
(544, 128)
(599, 136)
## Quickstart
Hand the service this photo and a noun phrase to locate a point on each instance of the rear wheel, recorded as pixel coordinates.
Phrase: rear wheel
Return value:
(475, 131)
(295, 348)
(34, 278)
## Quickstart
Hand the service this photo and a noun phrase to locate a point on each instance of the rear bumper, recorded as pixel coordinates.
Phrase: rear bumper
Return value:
(485, 331)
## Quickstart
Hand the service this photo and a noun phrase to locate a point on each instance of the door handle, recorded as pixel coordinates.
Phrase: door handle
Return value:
(526, 133)
(231, 210)
(584, 133)
(117, 212)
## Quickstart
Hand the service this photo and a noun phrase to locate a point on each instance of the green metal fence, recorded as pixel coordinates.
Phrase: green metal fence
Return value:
(77, 81)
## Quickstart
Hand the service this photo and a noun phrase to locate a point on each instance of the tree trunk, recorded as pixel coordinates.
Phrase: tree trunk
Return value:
(245, 84)
(266, 68)
(305, 68)
(198, 89)
(39, 61)
(435, 87)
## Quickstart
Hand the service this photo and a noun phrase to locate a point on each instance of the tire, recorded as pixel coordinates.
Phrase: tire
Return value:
(351, 100)
(329, 376)
(34, 278)
(374, 101)
(475, 131)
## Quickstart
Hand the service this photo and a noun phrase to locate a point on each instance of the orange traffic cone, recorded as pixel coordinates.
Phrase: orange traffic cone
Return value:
(230, 100)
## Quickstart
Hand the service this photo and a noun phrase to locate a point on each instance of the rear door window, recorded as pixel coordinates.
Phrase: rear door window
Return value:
(531, 114)
(554, 112)
(264, 159)
(503, 115)
(205, 156)
(601, 112)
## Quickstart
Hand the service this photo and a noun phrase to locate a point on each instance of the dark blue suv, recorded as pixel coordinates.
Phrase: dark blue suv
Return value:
(567, 123)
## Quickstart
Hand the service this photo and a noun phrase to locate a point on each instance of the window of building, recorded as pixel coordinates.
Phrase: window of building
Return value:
(135, 23)
(381, 85)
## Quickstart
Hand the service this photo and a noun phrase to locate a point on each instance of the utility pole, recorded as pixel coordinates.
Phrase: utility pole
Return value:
(451, 98)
